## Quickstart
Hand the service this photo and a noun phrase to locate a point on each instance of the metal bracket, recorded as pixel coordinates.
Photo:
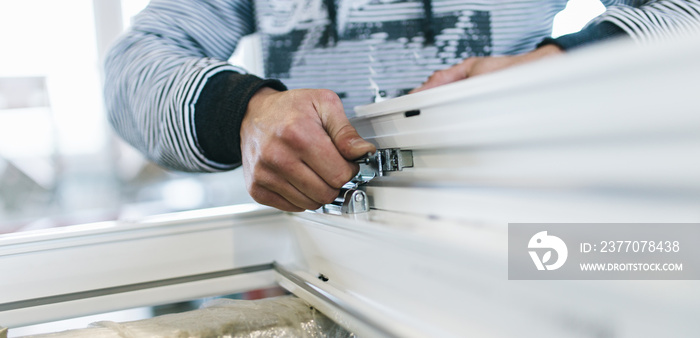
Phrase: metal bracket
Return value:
(351, 199)
(384, 160)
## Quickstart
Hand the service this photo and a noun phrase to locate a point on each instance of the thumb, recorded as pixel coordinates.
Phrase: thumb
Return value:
(349, 142)
(344, 136)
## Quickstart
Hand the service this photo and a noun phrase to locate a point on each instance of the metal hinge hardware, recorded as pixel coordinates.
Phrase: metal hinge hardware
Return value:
(384, 160)
(351, 199)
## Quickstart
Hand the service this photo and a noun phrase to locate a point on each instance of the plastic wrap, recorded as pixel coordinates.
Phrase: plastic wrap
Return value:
(285, 316)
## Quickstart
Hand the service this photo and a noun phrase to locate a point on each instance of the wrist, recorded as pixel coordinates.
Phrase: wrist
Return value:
(257, 101)
(550, 49)
(539, 53)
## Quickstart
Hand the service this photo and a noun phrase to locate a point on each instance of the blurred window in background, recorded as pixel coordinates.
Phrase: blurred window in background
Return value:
(52, 125)
(60, 162)
(575, 16)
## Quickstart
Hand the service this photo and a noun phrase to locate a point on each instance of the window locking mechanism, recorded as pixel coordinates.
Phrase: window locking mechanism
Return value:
(353, 200)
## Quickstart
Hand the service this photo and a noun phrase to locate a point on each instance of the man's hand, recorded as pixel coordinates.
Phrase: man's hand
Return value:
(296, 147)
(481, 65)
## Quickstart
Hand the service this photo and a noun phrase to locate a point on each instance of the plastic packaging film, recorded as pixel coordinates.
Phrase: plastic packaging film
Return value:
(285, 316)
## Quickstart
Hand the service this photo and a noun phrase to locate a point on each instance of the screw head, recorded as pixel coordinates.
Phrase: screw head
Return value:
(359, 197)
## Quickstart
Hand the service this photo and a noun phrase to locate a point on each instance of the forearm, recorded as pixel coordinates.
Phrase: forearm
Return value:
(591, 34)
(655, 20)
(157, 75)
(220, 110)
(150, 102)
(646, 21)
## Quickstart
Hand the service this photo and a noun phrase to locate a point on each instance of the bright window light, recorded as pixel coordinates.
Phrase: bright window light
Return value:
(575, 16)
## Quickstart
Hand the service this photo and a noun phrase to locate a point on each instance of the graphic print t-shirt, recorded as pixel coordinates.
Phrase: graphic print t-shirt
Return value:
(381, 49)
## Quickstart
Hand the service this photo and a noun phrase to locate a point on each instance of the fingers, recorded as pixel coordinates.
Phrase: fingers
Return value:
(439, 78)
(269, 180)
(296, 148)
(303, 179)
(273, 199)
(455, 73)
(308, 182)
(344, 136)
(442, 77)
(278, 178)
(289, 192)
(312, 160)
(325, 161)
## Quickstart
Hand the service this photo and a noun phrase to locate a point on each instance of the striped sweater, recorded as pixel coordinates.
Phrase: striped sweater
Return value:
(171, 93)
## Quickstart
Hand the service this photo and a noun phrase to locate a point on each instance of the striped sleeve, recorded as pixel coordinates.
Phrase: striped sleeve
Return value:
(643, 21)
(653, 20)
(155, 73)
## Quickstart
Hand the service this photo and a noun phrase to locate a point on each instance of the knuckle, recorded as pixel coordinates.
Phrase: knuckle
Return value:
(259, 194)
(340, 178)
(329, 196)
(292, 134)
(268, 150)
(293, 208)
(258, 177)
(279, 161)
(344, 136)
(328, 95)
(256, 186)
(273, 157)
(313, 206)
